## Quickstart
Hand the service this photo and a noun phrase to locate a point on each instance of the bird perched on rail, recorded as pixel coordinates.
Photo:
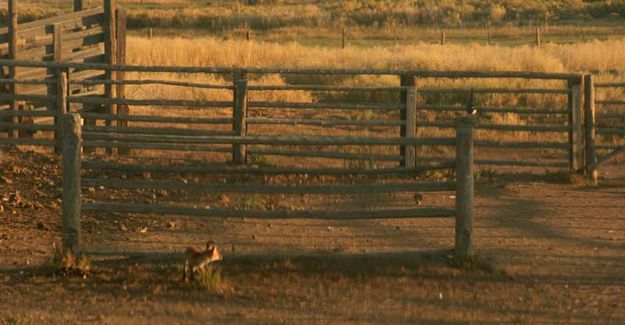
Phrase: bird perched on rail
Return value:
(470, 108)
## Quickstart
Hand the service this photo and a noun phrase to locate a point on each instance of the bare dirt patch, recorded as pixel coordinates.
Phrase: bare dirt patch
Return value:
(548, 252)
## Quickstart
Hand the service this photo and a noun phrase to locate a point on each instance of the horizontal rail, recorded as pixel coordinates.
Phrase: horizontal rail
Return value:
(324, 154)
(322, 88)
(156, 146)
(280, 214)
(18, 97)
(249, 170)
(522, 163)
(152, 130)
(181, 69)
(276, 140)
(282, 121)
(499, 127)
(30, 142)
(148, 82)
(493, 109)
(541, 145)
(372, 106)
(27, 113)
(614, 130)
(495, 90)
(149, 102)
(28, 127)
(29, 82)
(607, 158)
(610, 102)
(610, 115)
(325, 189)
(157, 119)
(610, 85)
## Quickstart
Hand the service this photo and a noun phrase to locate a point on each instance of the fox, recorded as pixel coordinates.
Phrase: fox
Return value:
(195, 260)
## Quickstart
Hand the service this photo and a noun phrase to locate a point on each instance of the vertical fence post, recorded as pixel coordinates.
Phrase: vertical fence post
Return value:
(13, 87)
(464, 189)
(490, 38)
(121, 75)
(72, 142)
(110, 56)
(239, 116)
(408, 116)
(344, 39)
(538, 38)
(443, 37)
(589, 117)
(576, 136)
(61, 110)
(78, 5)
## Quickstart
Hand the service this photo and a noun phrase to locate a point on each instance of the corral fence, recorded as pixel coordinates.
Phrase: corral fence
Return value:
(605, 117)
(89, 35)
(376, 180)
(548, 137)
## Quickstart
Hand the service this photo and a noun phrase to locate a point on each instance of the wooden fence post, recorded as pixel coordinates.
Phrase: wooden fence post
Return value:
(239, 116)
(121, 75)
(490, 38)
(464, 189)
(13, 87)
(538, 40)
(443, 37)
(409, 116)
(589, 117)
(61, 110)
(344, 39)
(110, 56)
(72, 142)
(78, 5)
(576, 135)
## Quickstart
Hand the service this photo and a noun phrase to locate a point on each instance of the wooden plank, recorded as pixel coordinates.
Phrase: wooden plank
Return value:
(493, 109)
(502, 127)
(428, 91)
(239, 116)
(158, 119)
(121, 22)
(152, 82)
(156, 146)
(29, 82)
(74, 16)
(274, 140)
(610, 102)
(153, 130)
(346, 106)
(528, 144)
(610, 131)
(279, 214)
(79, 5)
(18, 97)
(151, 102)
(71, 206)
(325, 154)
(521, 163)
(590, 132)
(321, 88)
(610, 85)
(464, 190)
(27, 127)
(418, 73)
(29, 142)
(322, 189)
(27, 113)
(290, 121)
(607, 158)
(255, 170)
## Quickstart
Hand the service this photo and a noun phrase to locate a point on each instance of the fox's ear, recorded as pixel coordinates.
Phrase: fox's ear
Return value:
(210, 245)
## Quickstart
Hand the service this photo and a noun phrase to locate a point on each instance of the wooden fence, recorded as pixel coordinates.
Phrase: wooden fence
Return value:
(105, 174)
(93, 35)
(407, 110)
(605, 130)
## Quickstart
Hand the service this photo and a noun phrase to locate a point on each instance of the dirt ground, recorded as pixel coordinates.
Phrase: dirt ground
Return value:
(548, 251)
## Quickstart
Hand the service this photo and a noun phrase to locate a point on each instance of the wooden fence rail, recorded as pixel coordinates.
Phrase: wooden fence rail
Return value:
(74, 167)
